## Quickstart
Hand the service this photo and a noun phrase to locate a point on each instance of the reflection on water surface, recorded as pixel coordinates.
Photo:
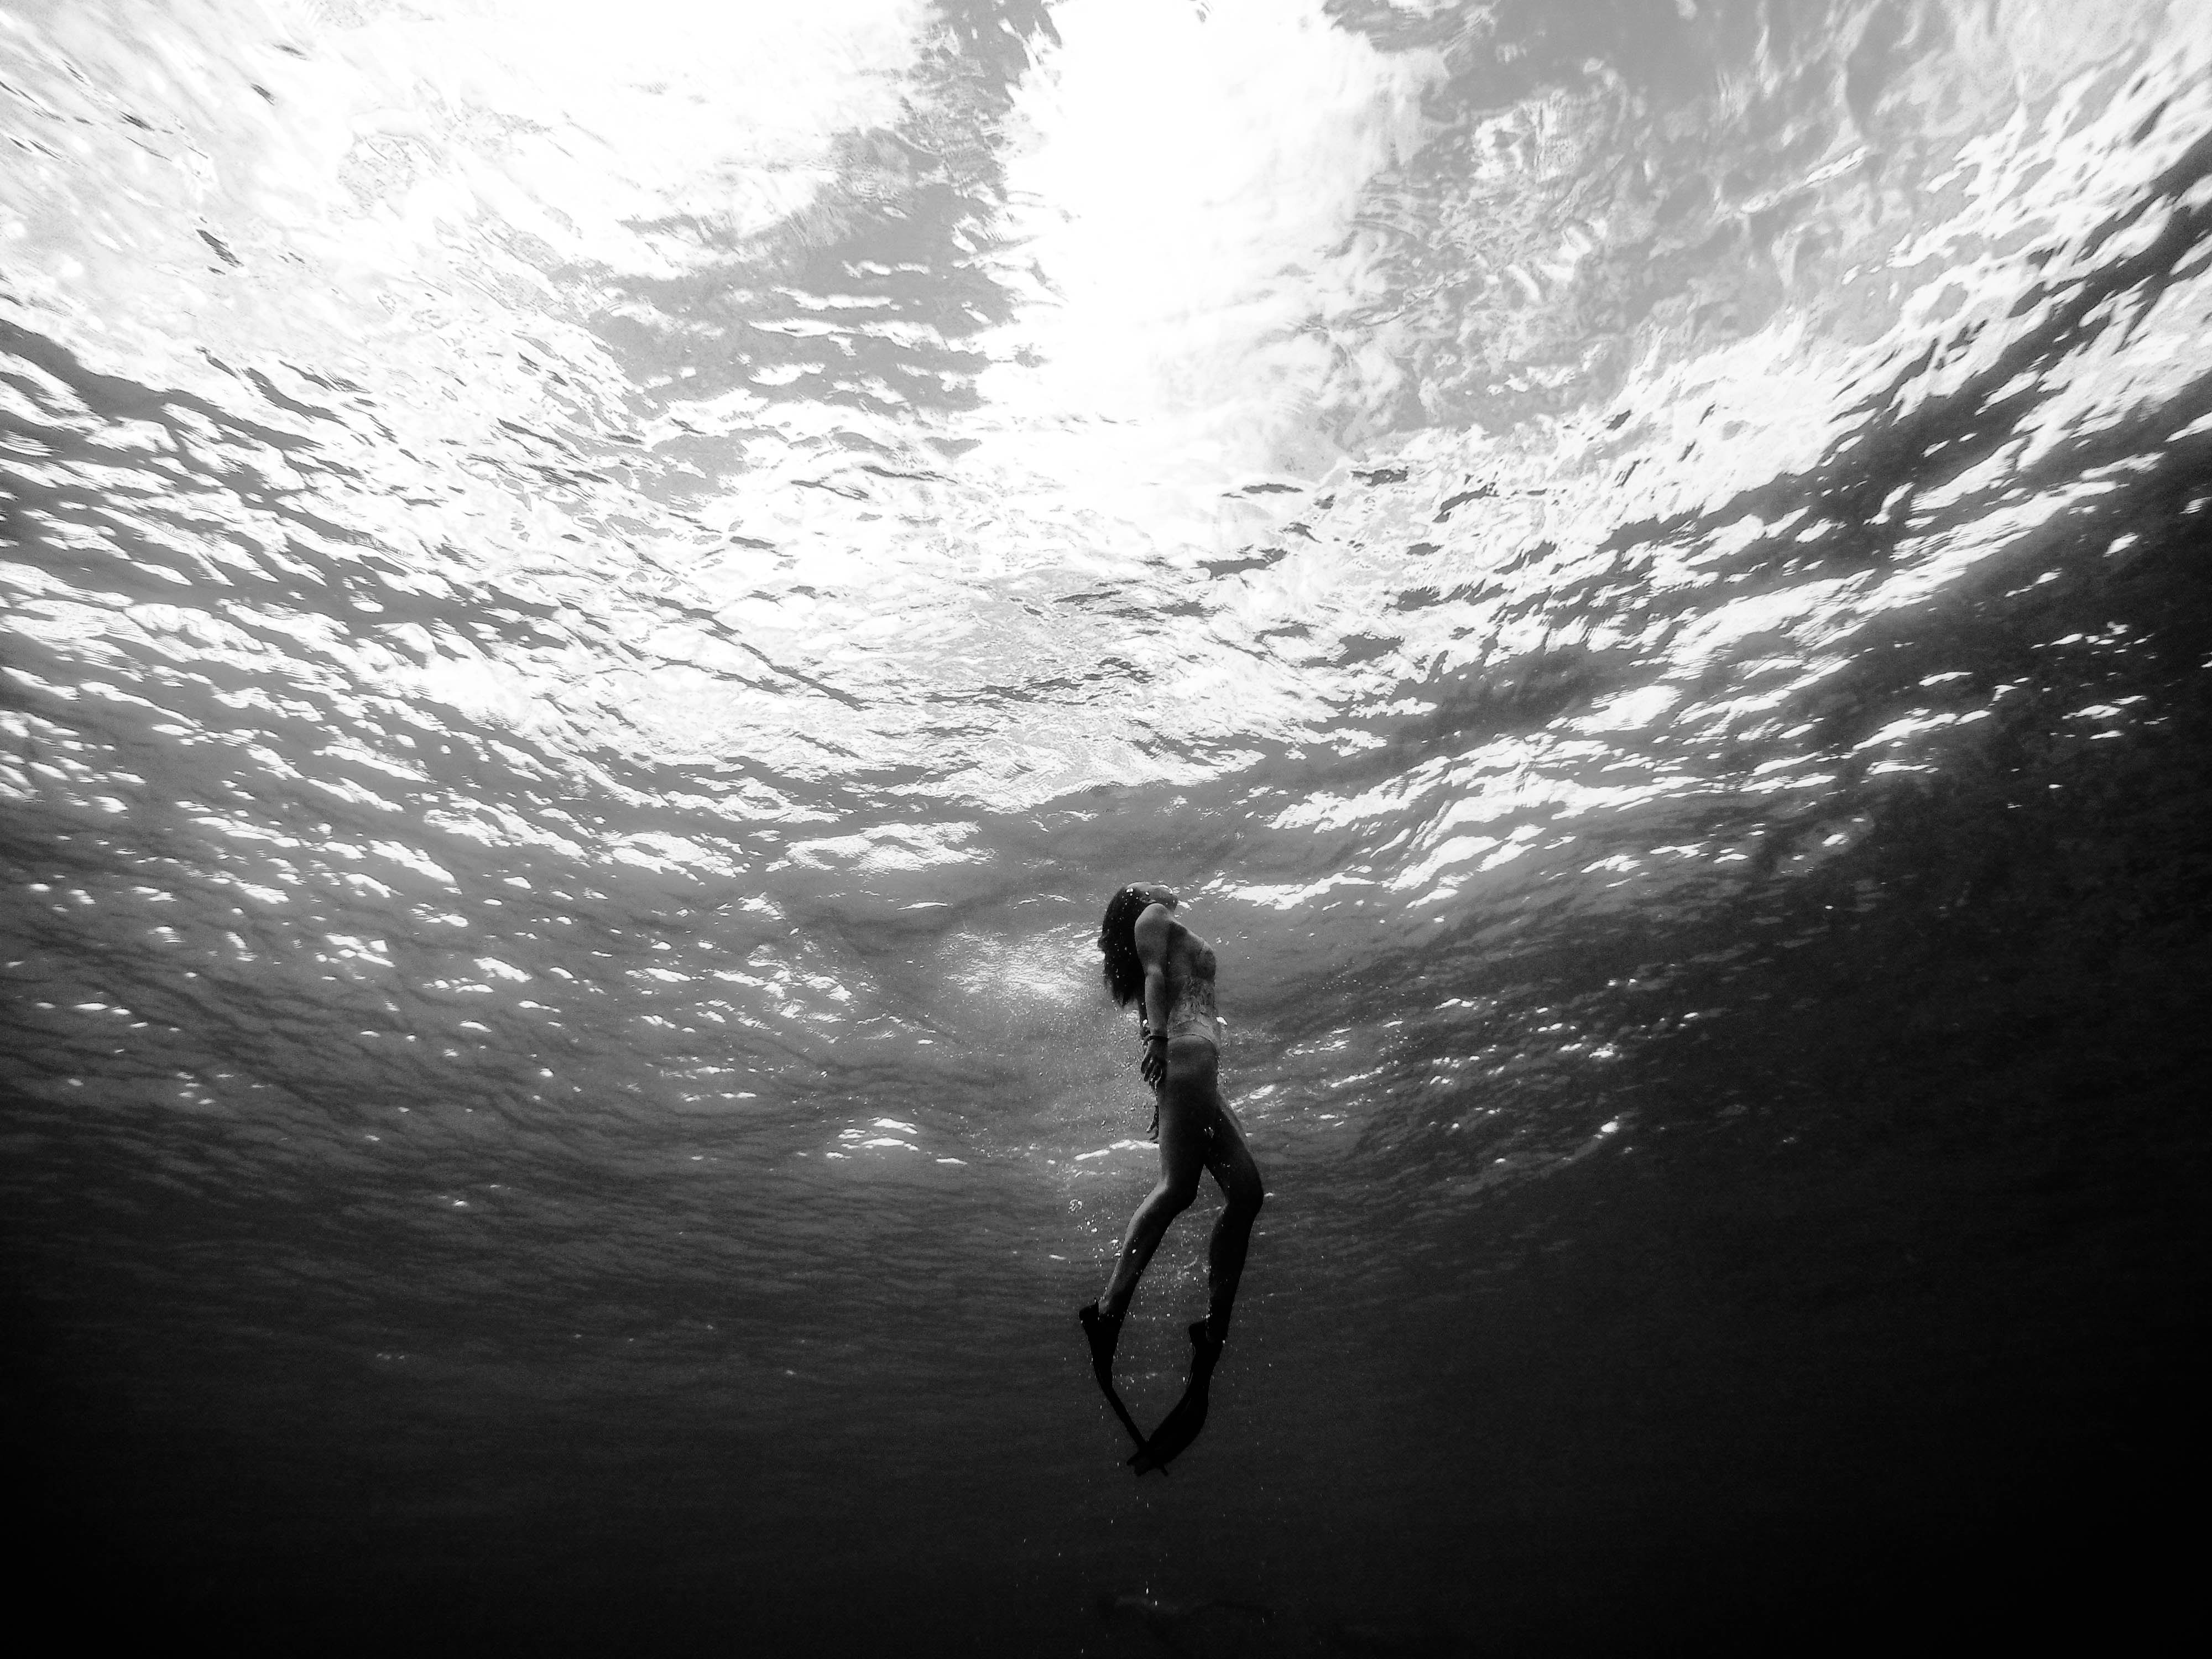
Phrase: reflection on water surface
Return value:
(592, 610)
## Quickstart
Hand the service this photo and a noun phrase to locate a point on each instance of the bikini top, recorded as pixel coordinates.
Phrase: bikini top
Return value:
(1191, 1007)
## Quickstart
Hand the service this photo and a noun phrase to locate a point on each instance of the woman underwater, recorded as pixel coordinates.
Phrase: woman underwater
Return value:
(1153, 956)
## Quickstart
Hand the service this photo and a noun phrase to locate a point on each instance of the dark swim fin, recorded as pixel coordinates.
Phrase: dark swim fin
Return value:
(1103, 1331)
(1180, 1426)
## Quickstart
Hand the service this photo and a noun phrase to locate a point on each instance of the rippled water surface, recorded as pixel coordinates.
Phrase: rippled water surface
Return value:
(593, 600)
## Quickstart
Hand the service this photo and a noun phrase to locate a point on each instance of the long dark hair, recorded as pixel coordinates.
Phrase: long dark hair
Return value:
(1123, 971)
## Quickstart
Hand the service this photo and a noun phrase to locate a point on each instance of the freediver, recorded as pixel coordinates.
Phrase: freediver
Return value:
(1153, 960)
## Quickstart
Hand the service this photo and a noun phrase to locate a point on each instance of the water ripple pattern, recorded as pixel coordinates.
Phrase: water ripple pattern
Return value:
(589, 613)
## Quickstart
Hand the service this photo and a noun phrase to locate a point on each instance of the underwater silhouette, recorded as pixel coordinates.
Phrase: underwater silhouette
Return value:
(1102, 1332)
(1155, 961)
(1172, 1620)
(1181, 1424)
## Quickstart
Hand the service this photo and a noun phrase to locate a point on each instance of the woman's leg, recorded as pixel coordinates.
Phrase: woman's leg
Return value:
(1186, 1097)
(1232, 1162)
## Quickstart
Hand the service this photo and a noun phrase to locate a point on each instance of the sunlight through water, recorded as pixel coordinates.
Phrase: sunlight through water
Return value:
(593, 602)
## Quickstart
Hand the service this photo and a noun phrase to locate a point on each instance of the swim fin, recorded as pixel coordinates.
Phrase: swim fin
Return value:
(1103, 1331)
(1180, 1426)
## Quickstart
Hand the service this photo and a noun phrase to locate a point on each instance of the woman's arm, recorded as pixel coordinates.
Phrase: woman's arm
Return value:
(1153, 935)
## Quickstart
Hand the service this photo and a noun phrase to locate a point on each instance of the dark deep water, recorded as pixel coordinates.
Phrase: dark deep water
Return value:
(592, 611)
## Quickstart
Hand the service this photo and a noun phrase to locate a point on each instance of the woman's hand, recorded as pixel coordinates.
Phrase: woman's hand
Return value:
(1153, 1068)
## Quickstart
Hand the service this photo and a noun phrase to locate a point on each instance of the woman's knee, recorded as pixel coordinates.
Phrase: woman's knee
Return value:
(1175, 1194)
(1247, 1191)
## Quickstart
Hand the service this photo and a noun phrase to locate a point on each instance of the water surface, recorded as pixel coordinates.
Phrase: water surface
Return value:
(594, 607)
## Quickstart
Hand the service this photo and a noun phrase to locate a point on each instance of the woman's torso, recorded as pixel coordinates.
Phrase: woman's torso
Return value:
(1192, 1010)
